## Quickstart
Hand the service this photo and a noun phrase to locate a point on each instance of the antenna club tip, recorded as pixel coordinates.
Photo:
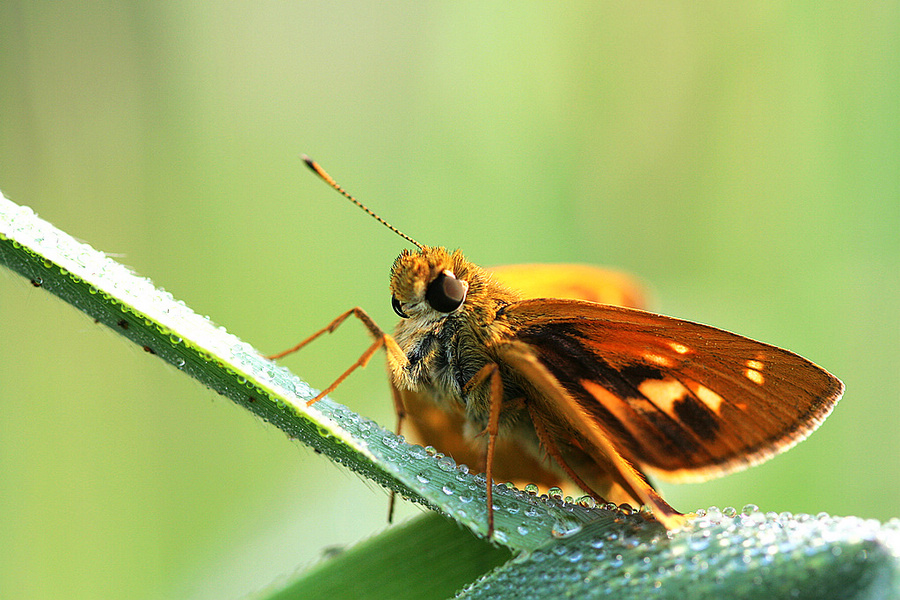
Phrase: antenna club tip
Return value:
(315, 168)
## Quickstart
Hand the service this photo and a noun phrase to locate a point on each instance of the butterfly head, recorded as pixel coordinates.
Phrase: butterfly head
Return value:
(429, 283)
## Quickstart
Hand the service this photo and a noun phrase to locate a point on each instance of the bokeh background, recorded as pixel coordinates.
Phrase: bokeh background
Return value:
(742, 158)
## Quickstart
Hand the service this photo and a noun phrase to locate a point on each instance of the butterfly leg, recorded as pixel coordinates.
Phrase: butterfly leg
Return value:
(553, 450)
(492, 371)
(355, 311)
(381, 339)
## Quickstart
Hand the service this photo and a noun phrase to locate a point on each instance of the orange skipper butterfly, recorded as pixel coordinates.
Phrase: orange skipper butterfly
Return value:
(571, 386)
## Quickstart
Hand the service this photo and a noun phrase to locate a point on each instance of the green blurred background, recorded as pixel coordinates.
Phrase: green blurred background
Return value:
(742, 158)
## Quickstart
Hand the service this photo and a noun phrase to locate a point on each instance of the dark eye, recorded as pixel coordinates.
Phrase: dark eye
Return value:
(446, 293)
(397, 308)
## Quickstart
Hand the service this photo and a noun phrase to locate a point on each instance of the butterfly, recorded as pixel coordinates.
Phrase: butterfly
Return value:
(554, 388)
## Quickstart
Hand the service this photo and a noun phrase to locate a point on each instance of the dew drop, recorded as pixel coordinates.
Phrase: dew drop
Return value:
(532, 489)
(586, 502)
(749, 509)
(565, 527)
(555, 493)
(418, 453)
(713, 513)
(446, 464)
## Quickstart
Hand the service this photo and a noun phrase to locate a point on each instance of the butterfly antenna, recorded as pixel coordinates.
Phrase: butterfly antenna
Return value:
(330, 181)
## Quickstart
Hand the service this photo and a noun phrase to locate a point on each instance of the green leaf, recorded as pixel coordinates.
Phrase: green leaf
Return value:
(433, 556)
(563, 549)
(749, 556)
(114, 296)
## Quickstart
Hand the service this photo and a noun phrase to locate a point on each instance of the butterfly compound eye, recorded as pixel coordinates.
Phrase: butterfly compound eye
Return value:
(446, 293)
(397, 308)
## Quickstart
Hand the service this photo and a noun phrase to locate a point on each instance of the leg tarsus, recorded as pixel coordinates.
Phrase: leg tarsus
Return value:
(401, 415)
(361, 362)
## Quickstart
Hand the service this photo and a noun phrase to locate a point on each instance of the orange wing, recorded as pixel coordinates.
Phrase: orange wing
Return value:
(513, 461)
(577, 282)
(687, 401)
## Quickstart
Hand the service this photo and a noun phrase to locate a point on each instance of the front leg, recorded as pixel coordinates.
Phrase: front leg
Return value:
(395, 354)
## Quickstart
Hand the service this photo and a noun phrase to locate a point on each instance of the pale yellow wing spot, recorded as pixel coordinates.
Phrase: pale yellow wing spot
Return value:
(712, 400)
(664, 393)
(659, 360)
(679, 348)
(754, 376)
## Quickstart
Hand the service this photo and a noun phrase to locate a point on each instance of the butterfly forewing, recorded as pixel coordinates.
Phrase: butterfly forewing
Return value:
(685, 400)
